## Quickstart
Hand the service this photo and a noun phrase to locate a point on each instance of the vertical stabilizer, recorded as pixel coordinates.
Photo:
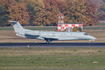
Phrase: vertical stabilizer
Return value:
(17, 26)
(19, 30)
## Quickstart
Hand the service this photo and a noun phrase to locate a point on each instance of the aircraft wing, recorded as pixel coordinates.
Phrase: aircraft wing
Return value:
(69, 38)
(57, 38)
(51, 38)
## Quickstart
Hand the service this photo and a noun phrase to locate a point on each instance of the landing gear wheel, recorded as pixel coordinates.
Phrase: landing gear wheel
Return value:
(48, 41)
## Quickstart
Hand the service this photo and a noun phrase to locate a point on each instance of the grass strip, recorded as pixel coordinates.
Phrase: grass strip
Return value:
(52, 58)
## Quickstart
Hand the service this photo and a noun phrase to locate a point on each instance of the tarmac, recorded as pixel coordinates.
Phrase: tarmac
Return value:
(52, 45)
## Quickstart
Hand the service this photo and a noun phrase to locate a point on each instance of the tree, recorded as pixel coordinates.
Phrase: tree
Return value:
(51, 7)
(17, 11)
(36, 12)
(80, 11)
(44, 12)
(3, 17)
(31, 12)
(74, 11)
(91, 13)
(96, 2)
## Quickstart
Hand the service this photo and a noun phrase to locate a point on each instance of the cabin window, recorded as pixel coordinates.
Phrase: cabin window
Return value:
(53, 34)
(85, 34)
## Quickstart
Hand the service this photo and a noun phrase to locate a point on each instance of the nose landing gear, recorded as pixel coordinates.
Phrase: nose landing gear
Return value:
(90, 40)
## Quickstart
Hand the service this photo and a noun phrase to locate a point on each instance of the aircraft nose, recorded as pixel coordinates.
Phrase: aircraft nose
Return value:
(93, 38)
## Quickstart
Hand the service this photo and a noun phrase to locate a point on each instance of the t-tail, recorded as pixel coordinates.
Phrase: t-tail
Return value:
(19, 30)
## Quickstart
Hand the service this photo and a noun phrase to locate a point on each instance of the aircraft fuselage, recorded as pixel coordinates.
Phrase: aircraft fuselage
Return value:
(49, 35)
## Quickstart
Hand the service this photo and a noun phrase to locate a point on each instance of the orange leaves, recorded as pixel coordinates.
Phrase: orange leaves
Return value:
(44, 12)
(19, 13)
(91, 13)
(78, 11)
(51, 8)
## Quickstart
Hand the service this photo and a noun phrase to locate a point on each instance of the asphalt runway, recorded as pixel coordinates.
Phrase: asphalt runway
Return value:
(52, 45)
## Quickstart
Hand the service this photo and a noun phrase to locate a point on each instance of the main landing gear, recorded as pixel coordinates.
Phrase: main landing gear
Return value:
(48, 41)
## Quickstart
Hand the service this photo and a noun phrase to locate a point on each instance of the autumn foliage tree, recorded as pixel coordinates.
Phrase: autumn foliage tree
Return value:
(44, 12)
(101, 12)
(91, 13)
(74, 11)
(52, 8)
(3, 17)
(17, 11)
(51, 11)
(80, 11)
(37, 12)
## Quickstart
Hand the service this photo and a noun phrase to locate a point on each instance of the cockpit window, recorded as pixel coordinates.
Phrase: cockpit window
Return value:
(85, 34)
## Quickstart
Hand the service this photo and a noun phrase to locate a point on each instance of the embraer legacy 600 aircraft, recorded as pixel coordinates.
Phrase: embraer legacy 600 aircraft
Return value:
(49, 35)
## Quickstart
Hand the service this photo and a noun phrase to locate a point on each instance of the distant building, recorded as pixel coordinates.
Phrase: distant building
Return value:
(69, 26)
(66, 26)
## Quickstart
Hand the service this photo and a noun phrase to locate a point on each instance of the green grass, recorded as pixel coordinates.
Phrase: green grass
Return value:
(52, 58)
(6, 28)
(101, 24)
(94, 28)
(32, 28)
